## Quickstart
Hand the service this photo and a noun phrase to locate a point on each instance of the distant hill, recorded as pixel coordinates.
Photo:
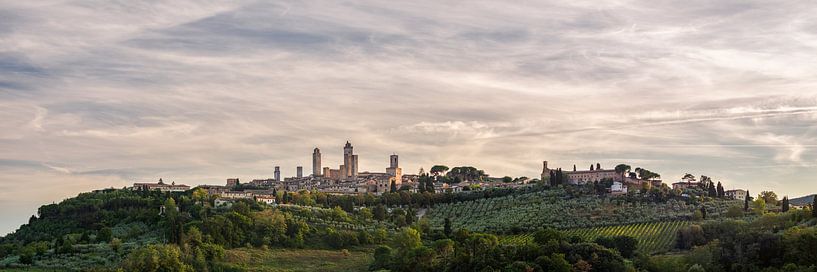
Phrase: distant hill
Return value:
(802, 201)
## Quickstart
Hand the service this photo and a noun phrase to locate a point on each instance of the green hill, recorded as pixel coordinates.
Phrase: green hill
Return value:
(560, 209)
(802, 201)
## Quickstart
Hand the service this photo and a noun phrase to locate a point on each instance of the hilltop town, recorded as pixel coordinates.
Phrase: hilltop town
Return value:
(347, 179)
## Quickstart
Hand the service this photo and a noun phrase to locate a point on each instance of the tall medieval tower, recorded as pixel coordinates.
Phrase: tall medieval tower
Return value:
(316, 163)
(349, 161)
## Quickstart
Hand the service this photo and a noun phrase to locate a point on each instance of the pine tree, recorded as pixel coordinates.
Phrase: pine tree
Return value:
(591, 167)
(598, 166)
(785, 204)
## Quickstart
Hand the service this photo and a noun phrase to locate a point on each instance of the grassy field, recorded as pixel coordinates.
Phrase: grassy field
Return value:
(652, 237)
(280, 260)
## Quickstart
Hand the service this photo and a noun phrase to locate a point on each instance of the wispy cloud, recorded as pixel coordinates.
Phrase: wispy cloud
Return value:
(104, 93)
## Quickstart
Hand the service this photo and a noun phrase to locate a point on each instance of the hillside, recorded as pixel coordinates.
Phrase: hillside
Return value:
(802, 201)
(560, 209)
(538, 226)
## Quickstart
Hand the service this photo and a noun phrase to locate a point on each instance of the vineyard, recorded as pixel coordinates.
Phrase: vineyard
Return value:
(323, 217)
(652, 237)
(553, 208)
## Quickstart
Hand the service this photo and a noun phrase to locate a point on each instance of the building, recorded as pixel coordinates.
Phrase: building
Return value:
(316, 163)
(268, 199)
(585, 176)
(394, 169)
(349, 162)
(681, 185)
(214, 189)
(736, 194)
(161, 186)
(590, 176)
(237, 194)
(354, 170)
(299, 172)
(232, 182)
(618, 188)
(325, 172)
(278, 173)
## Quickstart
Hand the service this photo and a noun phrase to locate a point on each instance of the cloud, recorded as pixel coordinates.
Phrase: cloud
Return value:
(101, 92)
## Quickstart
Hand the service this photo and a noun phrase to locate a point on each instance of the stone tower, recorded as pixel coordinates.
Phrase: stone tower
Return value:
(545, 170)
(299, 171)
(347, 159)
(277, 173)
(394, 170)
(316, 162)
(393, 161)
(354, 167)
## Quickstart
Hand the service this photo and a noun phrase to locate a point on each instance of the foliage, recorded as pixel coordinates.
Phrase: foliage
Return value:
(563, 208)
(156, 258)
(652, 237)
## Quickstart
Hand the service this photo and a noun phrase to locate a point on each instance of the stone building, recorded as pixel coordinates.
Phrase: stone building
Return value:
(161, 186)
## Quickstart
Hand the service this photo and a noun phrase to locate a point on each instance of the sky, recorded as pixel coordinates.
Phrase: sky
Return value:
(98, 94)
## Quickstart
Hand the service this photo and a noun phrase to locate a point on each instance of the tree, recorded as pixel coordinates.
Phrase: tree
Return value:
(712, 191)
(155, 258)
(407, 239)
(759, 206)
(174, 226)
(447, 227)
(622, 169)
(734, 212)
(746, 202)
(393, 187)
(380, 212)
(814, 206)
(104, 235)
(554, 263)
(769, 196)
(703, 212)
(785, 204)
(438, 170)
(721, 193)
(688, 177)
(507, 179)
(382, 258)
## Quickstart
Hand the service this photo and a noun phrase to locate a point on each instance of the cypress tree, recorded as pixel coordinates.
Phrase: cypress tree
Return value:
(746, 202)
(393, 186)
(721, 193)
(814, 206)
(447, 227)
(703, 212)
(712, 191)
(785, 204)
